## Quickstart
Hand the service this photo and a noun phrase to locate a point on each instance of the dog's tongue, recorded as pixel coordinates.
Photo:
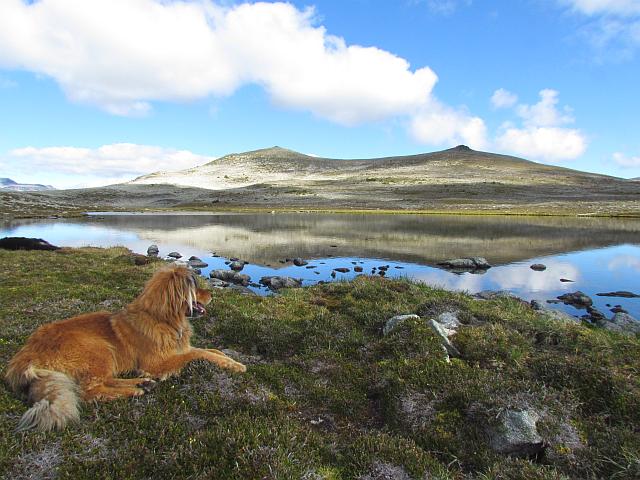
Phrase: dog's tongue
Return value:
(198, 308)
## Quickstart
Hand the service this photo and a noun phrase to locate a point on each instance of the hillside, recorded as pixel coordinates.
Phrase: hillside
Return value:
(454, 180)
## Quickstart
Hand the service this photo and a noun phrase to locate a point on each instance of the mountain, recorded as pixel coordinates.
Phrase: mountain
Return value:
(7, 184)
(458, 179)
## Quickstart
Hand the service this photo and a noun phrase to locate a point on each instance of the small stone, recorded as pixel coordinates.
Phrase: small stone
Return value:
(174, 255)
(538, 267)
(516, 434)
(342, 269)
(357, 269)
(444, 333)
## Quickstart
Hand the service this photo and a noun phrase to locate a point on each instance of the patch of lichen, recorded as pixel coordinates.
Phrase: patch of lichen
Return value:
(326, 395)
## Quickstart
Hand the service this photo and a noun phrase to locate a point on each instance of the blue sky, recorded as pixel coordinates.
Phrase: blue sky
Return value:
(97, 91)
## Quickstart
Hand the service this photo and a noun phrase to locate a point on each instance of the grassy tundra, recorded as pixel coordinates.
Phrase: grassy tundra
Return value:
(326, 395)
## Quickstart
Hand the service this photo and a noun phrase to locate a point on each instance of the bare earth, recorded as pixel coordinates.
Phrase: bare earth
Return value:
(455, 180)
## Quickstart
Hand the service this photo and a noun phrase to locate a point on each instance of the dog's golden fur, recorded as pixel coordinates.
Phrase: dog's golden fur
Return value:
(81, 357)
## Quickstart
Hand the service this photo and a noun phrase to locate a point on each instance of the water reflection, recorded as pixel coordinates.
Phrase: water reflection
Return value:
(598, 254)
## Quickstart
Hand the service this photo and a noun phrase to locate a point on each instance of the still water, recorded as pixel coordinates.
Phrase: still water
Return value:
(599, 255)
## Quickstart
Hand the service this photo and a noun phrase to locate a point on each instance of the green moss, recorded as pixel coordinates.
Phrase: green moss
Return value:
(326, 395)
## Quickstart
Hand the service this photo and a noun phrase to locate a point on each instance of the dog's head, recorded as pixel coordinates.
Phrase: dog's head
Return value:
(172, 293)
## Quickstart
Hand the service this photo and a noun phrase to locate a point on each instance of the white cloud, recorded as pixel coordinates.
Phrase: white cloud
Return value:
(502, 98)
(541, 136)
(439, 124)
(116, 161)
(122, 55)
(445, 7)
(544, 113)
(626, 161)
(607, 7)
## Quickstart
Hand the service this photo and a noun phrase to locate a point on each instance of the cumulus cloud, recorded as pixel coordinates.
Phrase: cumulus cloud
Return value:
(122, 55)
(625, 161)
(116, 161)
(542, 136)
(439, 124)
(502, 98)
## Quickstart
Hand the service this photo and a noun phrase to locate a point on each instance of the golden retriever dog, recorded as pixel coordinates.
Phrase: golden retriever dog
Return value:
(81, 357)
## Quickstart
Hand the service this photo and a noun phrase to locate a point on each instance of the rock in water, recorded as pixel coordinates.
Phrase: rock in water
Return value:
(24, 243)
(470, 264)
(153, 250)
(174, 255)
(236, 265)
(619, 293)
(276, 283)
(195, 262)
(342, 269)
(231, 276)
(577, 299)
(299, 262)
(538, 267)
(516, 434)
(397, 320)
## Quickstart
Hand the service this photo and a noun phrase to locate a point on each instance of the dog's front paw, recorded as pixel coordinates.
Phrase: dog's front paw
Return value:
(147, 384)
(237, 367)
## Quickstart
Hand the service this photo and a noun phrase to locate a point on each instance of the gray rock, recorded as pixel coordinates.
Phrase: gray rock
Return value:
(342, 269)
(554, 314)
(236, 265)
(623, 323)
(174, 255)
(299, 262)
(495, 294)
(231, 277)
(195, 262)
(538, 267)
(449, 320)
(516, 434)
(153, 250)
(565, 280)
(276, 282)
(444, 333)
(242, 289)
(470, 264)
(395, 321)
(577, 299)
(357, 269)
(217, 283)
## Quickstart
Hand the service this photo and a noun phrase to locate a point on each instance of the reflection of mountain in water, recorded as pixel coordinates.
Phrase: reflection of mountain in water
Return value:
(264, 238)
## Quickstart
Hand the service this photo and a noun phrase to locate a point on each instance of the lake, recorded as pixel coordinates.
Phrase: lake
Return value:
(598, 254)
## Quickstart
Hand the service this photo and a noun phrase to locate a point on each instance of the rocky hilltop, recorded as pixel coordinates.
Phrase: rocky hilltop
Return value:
(455, 180)
(10, 185)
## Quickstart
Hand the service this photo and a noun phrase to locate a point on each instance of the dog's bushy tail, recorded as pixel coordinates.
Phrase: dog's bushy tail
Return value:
(54, 396)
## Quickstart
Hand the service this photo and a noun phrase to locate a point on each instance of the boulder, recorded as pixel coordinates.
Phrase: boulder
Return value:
(516, 434)
(470, 264)
(299, 262)
(393, 322)
(236, 265)
(623, 323)
(276, 282)
(217, 283)
(174, 255)
(24, 243)
(357, 269)
(342, 269)
(231, 277)
(577, 299)
(195, 262)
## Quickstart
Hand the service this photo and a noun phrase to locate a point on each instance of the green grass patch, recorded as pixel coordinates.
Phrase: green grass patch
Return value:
(326, 395)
